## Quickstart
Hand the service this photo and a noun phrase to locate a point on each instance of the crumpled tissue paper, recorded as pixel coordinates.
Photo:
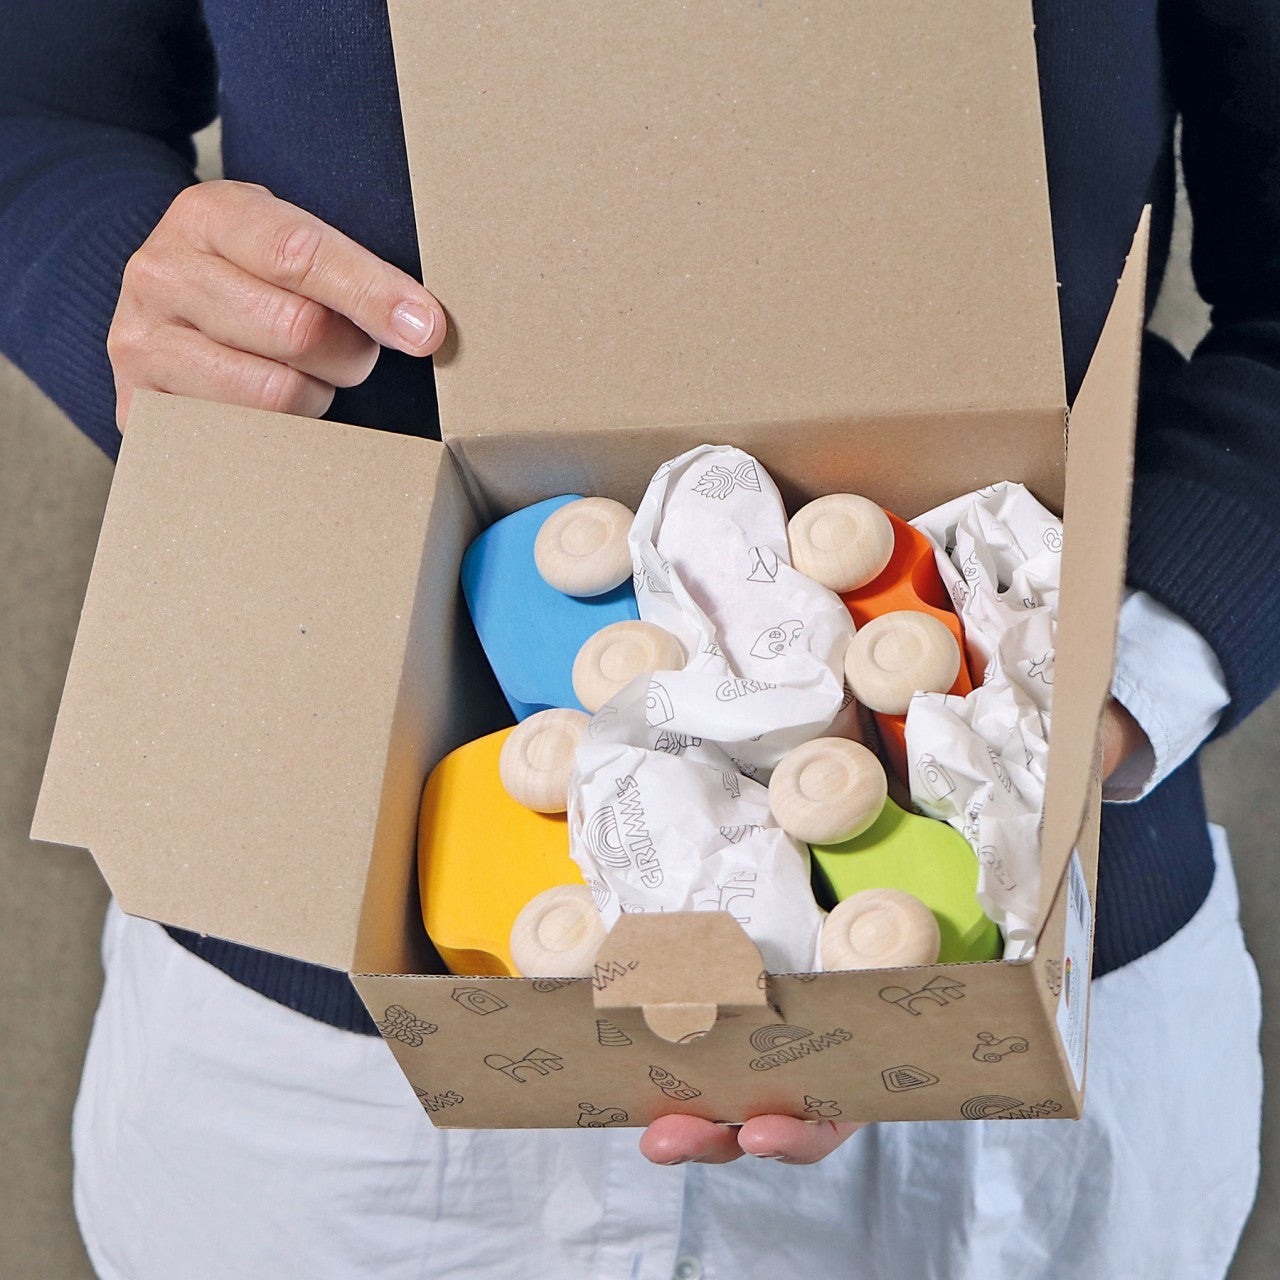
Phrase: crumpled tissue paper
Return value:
(979, 761)
(668, 809)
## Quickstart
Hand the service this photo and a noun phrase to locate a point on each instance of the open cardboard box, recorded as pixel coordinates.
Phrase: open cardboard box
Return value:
(823, 237)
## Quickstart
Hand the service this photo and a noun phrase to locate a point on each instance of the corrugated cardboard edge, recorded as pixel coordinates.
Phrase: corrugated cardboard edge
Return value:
(1095, 541)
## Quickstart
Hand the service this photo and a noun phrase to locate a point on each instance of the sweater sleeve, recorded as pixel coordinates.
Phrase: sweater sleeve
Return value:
(1205, 536)
(98, 102)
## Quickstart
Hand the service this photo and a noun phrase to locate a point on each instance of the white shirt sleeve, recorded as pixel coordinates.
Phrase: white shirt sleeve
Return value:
(1170, 681)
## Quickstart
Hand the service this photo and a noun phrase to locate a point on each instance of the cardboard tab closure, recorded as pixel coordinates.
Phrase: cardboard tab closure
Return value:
(681, 969)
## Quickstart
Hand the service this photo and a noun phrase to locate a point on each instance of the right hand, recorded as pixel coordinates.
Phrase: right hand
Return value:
(245, 299)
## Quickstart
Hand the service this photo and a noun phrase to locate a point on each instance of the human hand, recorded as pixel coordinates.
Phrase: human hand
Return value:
(1121, 737)
(679, 1139)
(242, 298)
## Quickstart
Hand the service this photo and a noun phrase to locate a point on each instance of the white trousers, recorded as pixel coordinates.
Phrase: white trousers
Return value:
(220, 1136)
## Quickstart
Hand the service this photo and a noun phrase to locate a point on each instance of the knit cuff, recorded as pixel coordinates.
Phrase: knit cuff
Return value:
(64, 240)
(1216, 564)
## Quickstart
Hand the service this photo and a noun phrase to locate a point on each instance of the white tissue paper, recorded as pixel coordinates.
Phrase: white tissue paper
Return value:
(665, 822)
(979, 761)
(667, 807)
(765, 644)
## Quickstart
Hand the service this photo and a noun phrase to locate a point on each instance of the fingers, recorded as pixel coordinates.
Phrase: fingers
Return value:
(678, 1139)
(290, 248)
(188, 363)
(238, 310)
(1122, 735)
(240, 297)
(792, 1141)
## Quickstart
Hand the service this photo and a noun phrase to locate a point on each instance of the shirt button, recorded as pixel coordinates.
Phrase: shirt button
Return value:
(687, 1268)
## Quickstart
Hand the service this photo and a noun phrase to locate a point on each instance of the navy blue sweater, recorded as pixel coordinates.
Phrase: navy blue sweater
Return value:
(98, 101)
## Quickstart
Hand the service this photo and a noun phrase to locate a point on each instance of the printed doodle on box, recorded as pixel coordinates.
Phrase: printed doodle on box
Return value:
(941, 990)
(535, 1063)
(672, 1085)
(776, 1034)
(399, 1024)
(590, 1117)
(992, 1049)
(547, 985)
(1053, 976)
(900, 1079)
(611, 1036)
(434, 1102)
(822, 1109)
(779, 1044)
(478, 1000)
(611, 971)
(989, 1106)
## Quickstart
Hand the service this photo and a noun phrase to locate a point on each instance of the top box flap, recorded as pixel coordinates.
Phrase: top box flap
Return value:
(660, 214)
(234, 761)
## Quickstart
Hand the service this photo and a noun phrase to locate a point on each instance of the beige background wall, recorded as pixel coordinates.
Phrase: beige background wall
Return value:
(52, 488)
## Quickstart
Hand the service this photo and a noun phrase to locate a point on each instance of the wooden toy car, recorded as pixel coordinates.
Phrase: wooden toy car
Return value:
(925, 858)
(531, 632)
(482, 857)
(910, 580)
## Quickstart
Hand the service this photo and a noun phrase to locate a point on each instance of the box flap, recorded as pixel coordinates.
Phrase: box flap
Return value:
(1094, 552)
(681, 969)
(222, 744)
(696, 216)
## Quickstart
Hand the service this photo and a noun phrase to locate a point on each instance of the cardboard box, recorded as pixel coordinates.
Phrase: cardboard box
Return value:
(822, 236)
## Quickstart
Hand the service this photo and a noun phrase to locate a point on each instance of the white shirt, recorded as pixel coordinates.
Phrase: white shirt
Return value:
(1169, 679)
(220, 1136)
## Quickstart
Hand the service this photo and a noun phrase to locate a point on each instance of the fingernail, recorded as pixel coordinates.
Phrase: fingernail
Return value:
(677, 1160)
(768, 1155)
(414, 323)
